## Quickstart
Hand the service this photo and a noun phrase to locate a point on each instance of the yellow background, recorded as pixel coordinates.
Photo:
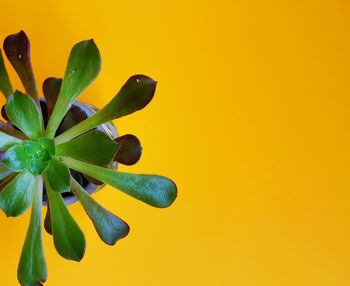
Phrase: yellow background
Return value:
(250, 118)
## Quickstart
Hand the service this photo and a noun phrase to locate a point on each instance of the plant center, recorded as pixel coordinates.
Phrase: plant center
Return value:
(34, 155)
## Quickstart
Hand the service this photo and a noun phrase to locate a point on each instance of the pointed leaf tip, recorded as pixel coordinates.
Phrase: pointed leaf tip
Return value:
(135, 94)
(17, 50)
(109, 227)
(84, 64)
(157, 191)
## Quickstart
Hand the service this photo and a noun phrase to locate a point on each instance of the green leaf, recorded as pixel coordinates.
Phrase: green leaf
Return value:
(32, 148)
(16, 197)
(32, 265)
(154, 190)
(129, 149)
(47, 220)
(37, 167)
(94, 147)
(7, 180)
(51, 90)
(83, 66)
(49, 145)
(17, 50)
(136, 93)
(37, 150)
(16, 158)
(109, 227)
(4, 172)
(6, 141)
(5, 84)
(6, 128)
(25, 114)
(68, 238)
(59, 177)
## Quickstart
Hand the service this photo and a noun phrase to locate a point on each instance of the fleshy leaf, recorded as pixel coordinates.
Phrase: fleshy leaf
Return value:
(154, 190)
(75, 115)
(25, 114)
(68, 238)
(32, 265)
(3, 113)
(83, 66)
(17, 196)
(4, 127)
(7, 180)
(93, 147)
(136, 93)
(36, 150)
(129, 149)
(16, 158)
(32, 147)
(6, 141)
(36, 167)
(51, 90)
(49, 145)
(109, 227)
(4, 172)
(47, 220)
(5, 84)
(17, 50)
(59, 177)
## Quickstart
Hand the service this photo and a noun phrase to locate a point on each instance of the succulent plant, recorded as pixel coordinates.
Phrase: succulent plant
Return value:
(51, 147)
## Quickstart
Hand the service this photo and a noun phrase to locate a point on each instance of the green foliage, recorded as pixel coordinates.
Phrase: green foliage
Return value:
(6, 141)
(58, 176)
(32, 265)
(25, 114)
(30, 154)
(94, 147)
(83, 66)
(135, 94)
(35, 161)
(68, 238)
(154, 190)
(16, 196)
(109, 227)
(4, 172)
